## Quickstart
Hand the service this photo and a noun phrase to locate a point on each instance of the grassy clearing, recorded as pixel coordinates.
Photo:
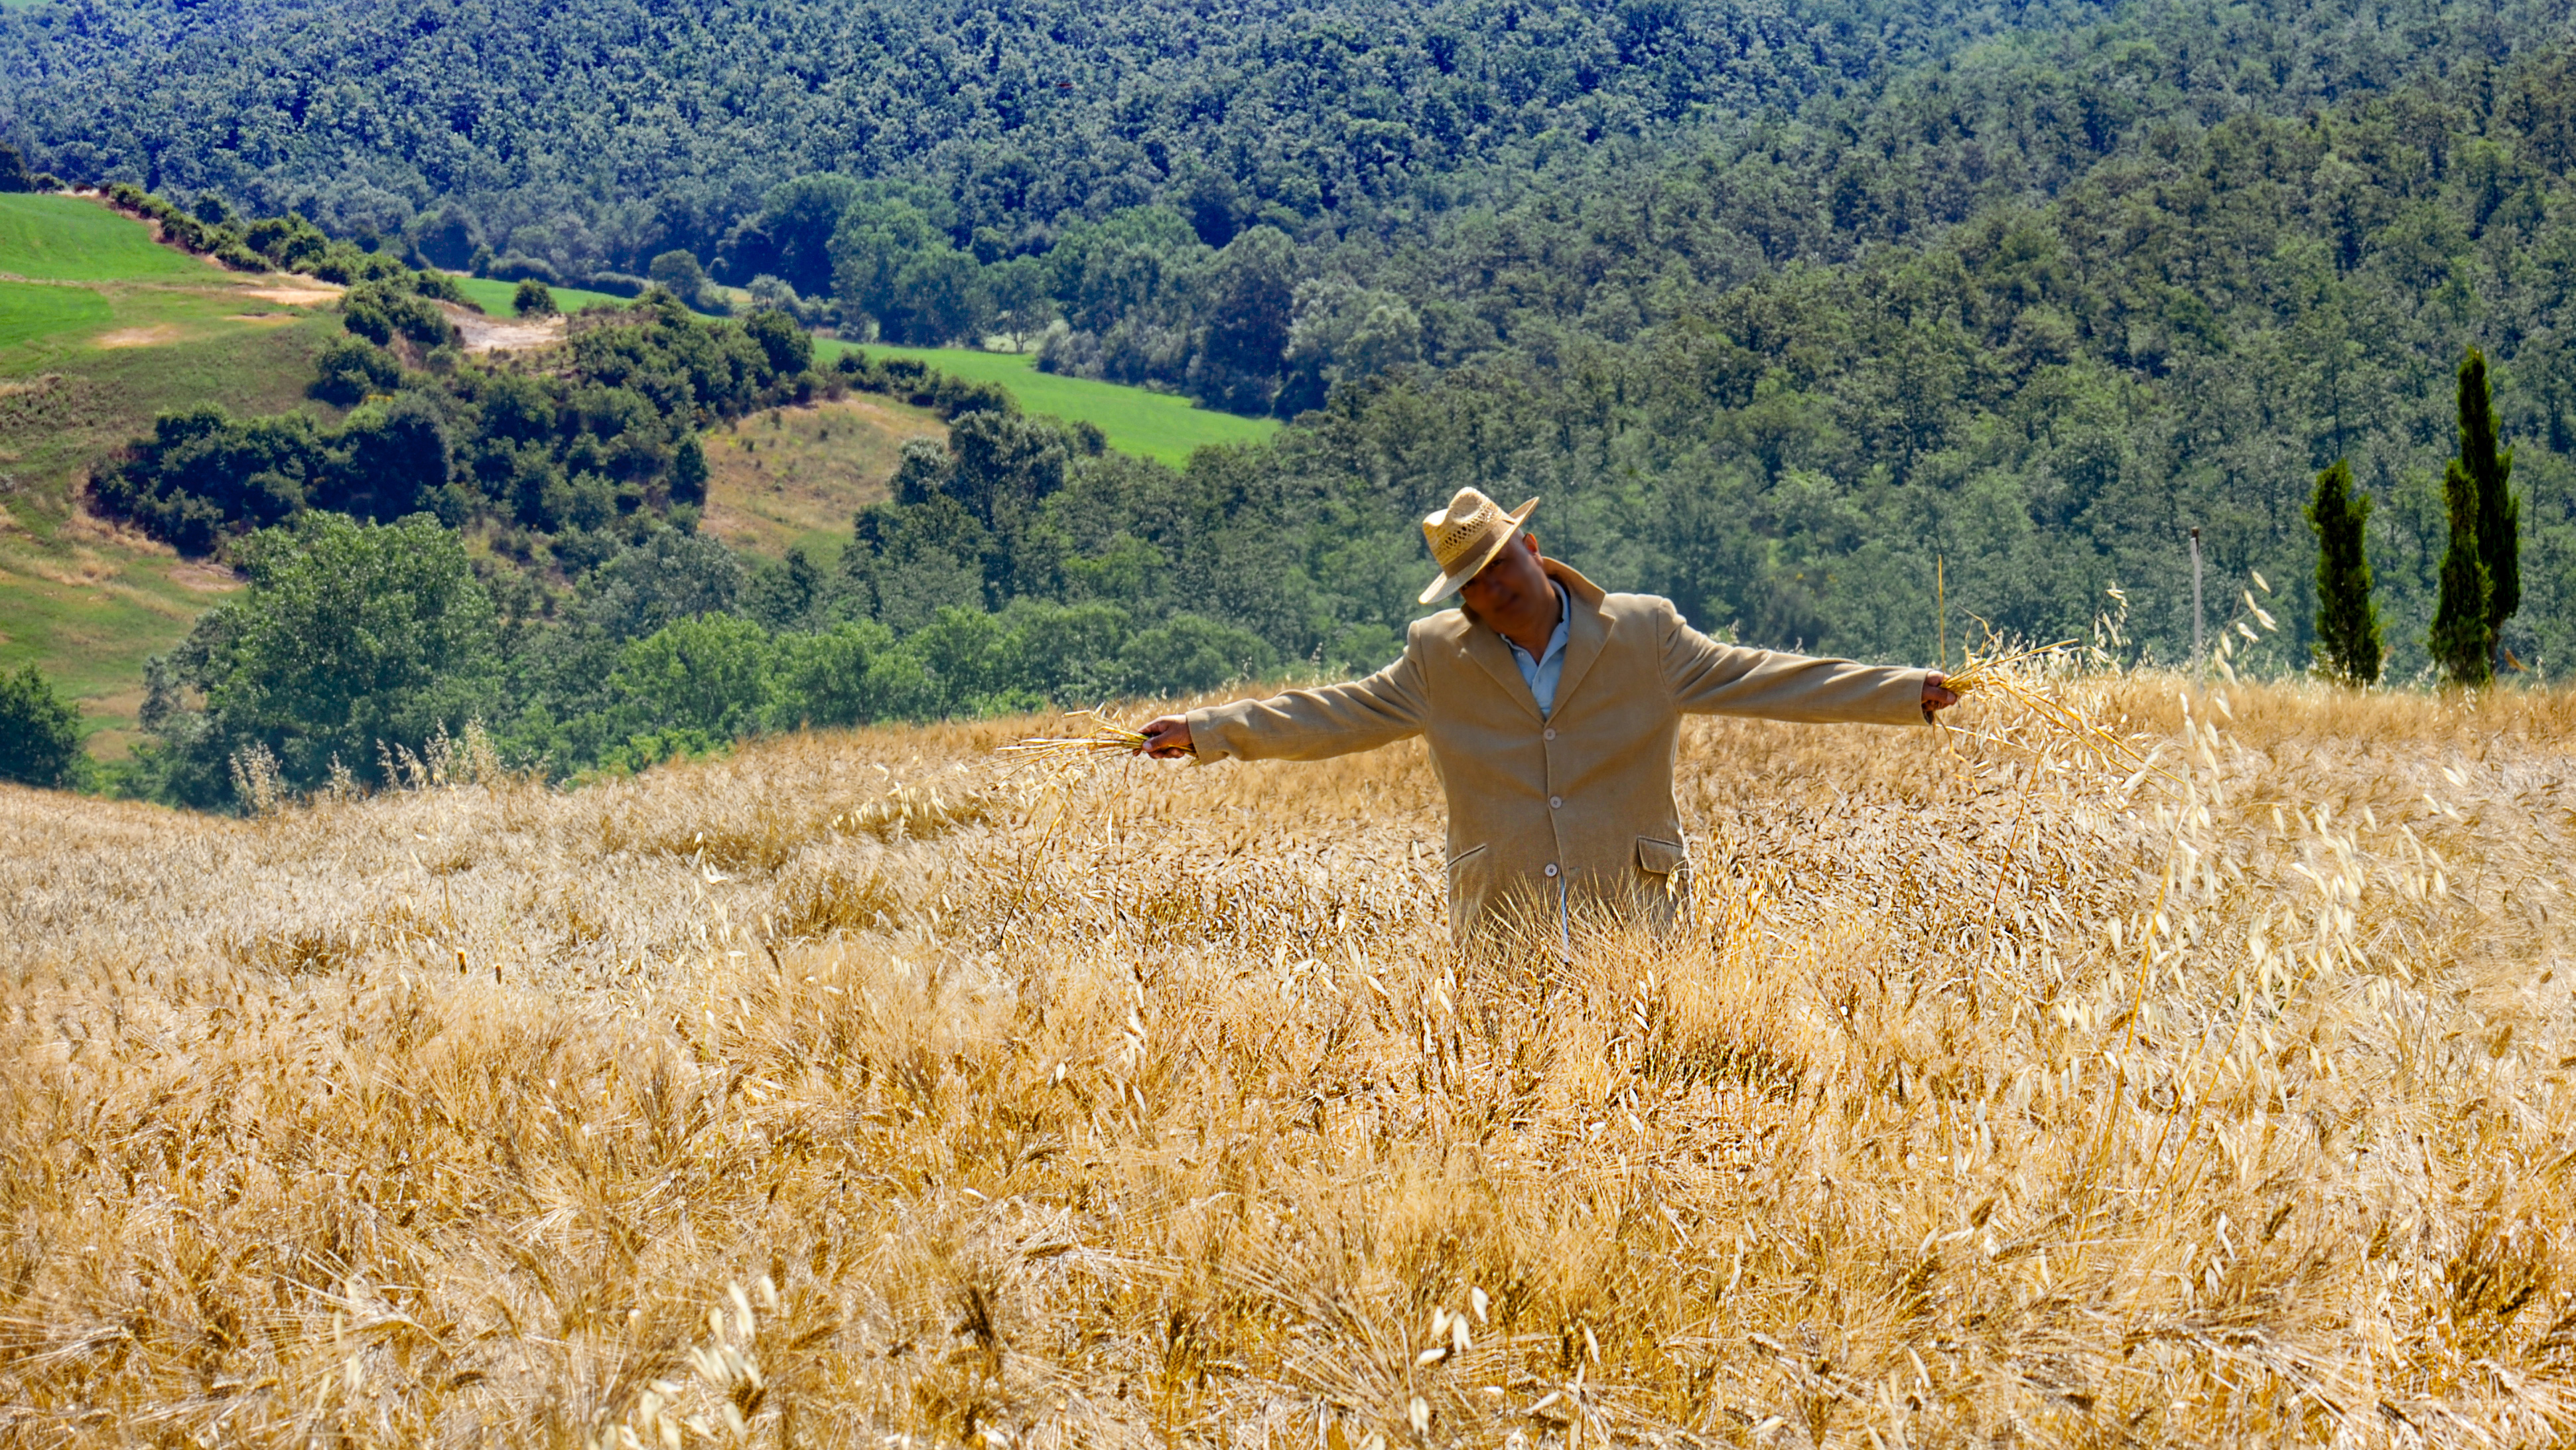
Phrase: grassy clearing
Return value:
(851, 1088)
(29, 311)
(84, 601)
(88, 606)
(792, 477)
(494, 297)
(136, 329)
(76, 239)
(1153, 425)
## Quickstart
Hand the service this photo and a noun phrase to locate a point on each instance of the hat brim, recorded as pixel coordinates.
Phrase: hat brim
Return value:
(1450, 583)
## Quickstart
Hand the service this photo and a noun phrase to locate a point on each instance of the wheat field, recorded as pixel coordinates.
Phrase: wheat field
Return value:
(855, 1091)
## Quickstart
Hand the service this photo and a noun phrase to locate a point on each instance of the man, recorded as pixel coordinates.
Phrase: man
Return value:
(1552, 711)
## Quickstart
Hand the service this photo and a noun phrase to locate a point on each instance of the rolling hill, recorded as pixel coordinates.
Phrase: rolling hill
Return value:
(101, 328)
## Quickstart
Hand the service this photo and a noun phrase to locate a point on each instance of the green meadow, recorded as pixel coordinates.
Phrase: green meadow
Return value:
(1154, 425)
(108, 330)
(494, 297)
(72, 239)
(32, 310)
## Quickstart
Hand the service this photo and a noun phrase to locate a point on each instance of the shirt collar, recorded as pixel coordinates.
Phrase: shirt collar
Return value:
(1556, 640)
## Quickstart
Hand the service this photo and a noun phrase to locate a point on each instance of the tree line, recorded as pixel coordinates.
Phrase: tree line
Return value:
(2025, 310)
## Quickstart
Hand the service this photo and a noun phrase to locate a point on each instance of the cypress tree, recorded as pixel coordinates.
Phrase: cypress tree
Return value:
(2499, 515)
(2347, 622)
(2459, 639)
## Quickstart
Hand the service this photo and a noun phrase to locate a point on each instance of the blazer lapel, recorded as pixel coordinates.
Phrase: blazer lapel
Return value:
(1486, 648)
(1587, 633)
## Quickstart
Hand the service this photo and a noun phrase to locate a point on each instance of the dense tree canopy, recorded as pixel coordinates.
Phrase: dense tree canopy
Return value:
(1017, 113)
(937, 172)
(1781, 308)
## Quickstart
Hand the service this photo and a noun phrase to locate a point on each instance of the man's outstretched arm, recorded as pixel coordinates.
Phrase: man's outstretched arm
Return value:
(1709, 678)
(1301, 724)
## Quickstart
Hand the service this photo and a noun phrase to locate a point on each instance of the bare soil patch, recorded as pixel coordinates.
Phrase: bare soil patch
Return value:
(483, 332)
(297, 294)
(158, 334)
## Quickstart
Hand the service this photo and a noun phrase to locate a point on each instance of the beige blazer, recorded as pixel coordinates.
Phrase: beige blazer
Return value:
(1577, 807)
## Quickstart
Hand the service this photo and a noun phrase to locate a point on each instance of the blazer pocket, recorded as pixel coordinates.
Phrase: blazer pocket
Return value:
(1464, 857)
(1660, 858)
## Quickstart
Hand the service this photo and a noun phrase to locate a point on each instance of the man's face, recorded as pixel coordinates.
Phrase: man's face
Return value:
(1509, 585)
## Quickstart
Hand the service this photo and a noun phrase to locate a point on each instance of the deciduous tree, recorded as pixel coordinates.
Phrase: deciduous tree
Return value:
(40, 735)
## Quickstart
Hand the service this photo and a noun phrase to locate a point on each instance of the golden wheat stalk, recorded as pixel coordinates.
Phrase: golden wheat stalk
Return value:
(1107, 736)
(2010, 673)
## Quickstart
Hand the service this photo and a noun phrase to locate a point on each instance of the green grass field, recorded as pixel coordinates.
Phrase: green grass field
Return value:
(113, 329)
(494, 297)
(84, 602)
(32, 310)
(69, 239)
(1153, 425)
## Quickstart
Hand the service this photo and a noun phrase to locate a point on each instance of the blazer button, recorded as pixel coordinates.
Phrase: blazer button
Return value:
(1551, 869)
(1548, 734)
(1556, 802)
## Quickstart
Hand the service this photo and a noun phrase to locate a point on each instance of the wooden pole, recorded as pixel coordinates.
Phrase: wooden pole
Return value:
(2195, 606)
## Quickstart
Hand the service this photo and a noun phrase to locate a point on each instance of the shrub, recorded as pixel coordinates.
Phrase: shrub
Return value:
(532, 299)
(351, 640)
(350, 368)
(709, 675)
(443, 288)
(785, 344)
(681, 273)
(378, 310)
(689, 471)
(514, 267)
(13, 170)
(40, 738)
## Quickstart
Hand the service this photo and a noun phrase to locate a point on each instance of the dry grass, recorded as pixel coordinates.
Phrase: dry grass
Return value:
(850, 1092)
(795, 475)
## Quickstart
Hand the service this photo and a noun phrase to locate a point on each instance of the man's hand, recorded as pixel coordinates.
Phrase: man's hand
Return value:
(1937, 695)
(1168, 738)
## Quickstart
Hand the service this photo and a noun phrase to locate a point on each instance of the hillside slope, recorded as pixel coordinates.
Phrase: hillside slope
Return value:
(793, 477)
(124, 329)
(1021, 113)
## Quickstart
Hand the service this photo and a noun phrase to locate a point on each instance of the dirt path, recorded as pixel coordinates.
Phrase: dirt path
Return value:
(483, 332)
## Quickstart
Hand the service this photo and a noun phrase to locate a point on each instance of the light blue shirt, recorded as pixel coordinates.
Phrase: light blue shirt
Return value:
(1541, 674)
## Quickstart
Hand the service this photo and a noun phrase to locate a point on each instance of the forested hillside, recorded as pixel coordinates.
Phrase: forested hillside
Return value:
(631, 127)
(1785, 311)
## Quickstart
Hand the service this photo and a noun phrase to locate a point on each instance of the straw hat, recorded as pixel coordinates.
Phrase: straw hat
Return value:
(1466, 536)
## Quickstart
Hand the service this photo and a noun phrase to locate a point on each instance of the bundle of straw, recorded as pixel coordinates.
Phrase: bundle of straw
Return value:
(1106, 736)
